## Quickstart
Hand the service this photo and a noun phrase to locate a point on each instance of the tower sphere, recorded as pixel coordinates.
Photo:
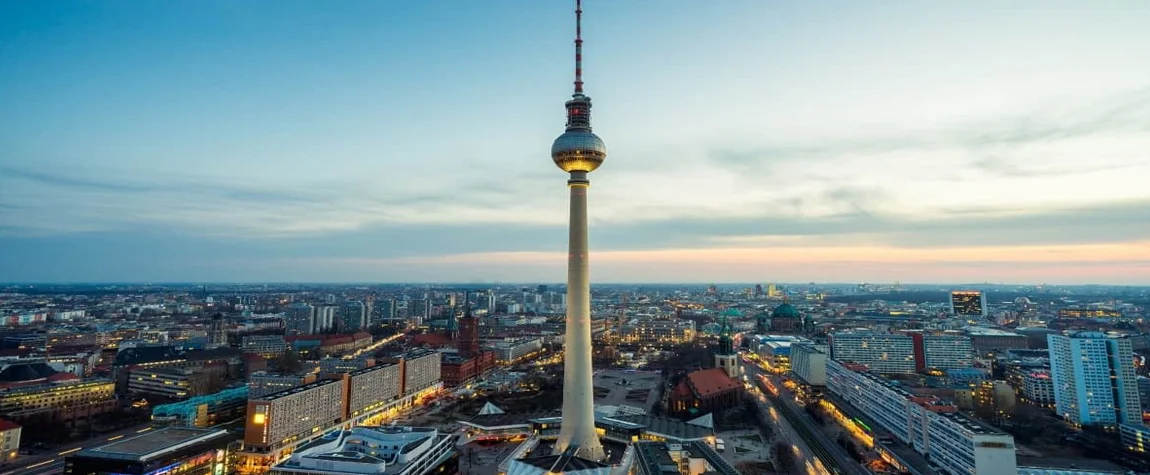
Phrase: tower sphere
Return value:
(578, 151)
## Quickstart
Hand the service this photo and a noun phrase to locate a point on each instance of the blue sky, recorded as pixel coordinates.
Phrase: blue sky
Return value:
(408, 141)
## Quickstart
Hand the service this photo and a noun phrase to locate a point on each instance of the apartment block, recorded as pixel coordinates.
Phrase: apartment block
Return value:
(1094, 380)
(809, 363)
(281, 418)
(956, 443)
(881, 352)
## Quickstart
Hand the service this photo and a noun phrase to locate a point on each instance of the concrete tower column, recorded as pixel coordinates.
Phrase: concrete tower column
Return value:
(578, 427)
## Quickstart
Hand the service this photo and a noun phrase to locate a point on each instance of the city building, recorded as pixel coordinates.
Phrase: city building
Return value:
(267, 346)
(984, 339)
(263, 383)
(330, 364)
(421, 370)
(67, 402)
(177, 382)
(372, 388)
(281, 418)
(657, 333)
(1094, 380)
(968, 303)
(942, 352)
(667, 458)
(512, 349)
(166, 450)
(353, 316)
(809, 363)
(9, 440)
(364, 450)
(1038, 387)
(1135, 437)
(956, 443)
(299, 319)
(881, 352)
(203, 411)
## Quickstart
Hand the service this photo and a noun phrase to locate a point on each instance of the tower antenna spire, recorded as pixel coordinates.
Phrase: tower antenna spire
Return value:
(578, 47)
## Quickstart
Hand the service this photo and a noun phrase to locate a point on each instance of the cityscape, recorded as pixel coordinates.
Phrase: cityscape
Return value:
(931, 293)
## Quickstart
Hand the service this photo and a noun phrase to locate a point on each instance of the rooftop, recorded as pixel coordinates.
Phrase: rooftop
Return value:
(152, 444)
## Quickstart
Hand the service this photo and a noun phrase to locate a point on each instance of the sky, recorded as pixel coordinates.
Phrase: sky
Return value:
(749, 141)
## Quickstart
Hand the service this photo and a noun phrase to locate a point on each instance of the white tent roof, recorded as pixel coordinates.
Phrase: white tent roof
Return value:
(490, 409)
(705, 420)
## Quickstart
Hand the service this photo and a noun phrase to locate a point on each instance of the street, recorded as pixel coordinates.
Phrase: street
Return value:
(52, 461)
(832, 457)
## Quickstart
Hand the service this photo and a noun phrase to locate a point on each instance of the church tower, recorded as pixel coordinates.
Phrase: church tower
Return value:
(726, 358)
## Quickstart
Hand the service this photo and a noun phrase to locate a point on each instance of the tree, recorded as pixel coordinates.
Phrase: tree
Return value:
(288, 363)
(783, 458)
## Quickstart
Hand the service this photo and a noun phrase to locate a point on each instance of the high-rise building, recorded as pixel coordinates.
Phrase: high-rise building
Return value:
(299, 319)
(881, 352)
(578, 151)
(968, 303)
(809, 363)
(325, 318)
(942, 351)
(353, 316)
(1094, 380)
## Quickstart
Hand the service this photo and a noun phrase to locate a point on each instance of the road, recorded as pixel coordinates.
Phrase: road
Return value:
(832, 456)
(52, 461)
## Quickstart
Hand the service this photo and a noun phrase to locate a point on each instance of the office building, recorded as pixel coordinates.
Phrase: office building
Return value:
(66, 402)
(262, 383)
(331, 364)
(984, 339)
(881, 352)
(968, 303)
(167, 450)
(366, 450)
(668, 458)
(267, 346)
(203, 411)
(657, 333)
(353, 316)
(512, 349)
(177, 382)
(809, 363)
(1094, 380)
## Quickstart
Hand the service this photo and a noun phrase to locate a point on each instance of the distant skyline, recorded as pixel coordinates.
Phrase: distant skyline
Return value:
(750, 141)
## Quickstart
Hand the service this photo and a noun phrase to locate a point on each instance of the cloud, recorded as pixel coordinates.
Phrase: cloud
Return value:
(994, 141)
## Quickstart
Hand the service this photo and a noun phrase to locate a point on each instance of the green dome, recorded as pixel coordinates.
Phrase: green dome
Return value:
(786, 310)
(731, 312)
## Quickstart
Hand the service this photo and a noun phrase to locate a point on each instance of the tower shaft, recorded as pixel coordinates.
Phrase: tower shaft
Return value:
(578, 427)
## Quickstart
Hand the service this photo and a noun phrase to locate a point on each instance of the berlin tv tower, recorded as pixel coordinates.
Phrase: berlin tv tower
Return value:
(578, 152)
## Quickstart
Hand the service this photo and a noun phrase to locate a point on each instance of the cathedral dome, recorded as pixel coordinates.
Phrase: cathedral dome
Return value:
(785, 310)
